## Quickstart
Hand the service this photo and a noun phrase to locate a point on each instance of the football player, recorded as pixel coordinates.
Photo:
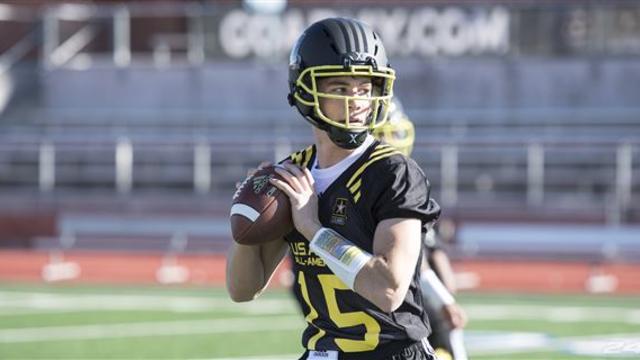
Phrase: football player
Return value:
(358, 207)
(398, 131)
(446, 317)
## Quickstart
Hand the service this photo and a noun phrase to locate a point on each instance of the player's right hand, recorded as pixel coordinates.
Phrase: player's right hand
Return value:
(298, 185)
(455, 315)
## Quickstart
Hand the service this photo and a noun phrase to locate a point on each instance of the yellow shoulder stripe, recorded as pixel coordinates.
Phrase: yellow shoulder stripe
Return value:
(375, 156)
(307, 156)
(296, 157)
(381, 149)
(302, 157)
(355, 186)
(355, 182)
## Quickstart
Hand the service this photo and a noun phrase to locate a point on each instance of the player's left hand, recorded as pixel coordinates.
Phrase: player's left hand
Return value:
(298, 186)
(455, 315)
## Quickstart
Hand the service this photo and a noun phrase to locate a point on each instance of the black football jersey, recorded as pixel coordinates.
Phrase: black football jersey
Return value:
(381, 184)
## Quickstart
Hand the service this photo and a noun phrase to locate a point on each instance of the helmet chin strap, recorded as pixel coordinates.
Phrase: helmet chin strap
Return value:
(341, 137)
(346, 139)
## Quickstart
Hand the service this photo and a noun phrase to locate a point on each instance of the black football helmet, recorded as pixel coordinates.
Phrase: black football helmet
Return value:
(340, 47)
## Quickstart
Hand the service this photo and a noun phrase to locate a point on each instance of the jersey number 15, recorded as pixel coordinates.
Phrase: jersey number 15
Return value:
(330, 283)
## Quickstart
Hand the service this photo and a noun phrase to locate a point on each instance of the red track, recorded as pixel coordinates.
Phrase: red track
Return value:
(129, 268)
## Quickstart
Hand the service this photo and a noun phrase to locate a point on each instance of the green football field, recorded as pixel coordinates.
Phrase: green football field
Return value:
(82, 322)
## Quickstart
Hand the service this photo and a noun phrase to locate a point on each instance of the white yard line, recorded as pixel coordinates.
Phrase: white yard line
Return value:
(505, 342)
(485, 344)
(141, 329)
(19, 303)
(479, 343)
(264, 357)
(12, 303)
(555, 314)
(622, 345)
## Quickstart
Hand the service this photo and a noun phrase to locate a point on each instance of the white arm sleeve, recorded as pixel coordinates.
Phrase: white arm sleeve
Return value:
(434, 290)
(343, 257)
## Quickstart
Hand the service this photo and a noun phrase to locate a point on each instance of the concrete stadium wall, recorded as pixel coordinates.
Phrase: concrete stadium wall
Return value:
(18, 228)
(438, 84)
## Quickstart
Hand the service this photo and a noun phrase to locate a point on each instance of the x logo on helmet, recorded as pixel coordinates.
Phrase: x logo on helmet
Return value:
(353, 138)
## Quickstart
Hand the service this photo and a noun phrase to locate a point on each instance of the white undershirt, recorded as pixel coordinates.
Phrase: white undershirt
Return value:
(324, 177)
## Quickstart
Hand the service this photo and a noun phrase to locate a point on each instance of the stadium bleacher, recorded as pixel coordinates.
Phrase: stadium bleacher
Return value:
(523, 136)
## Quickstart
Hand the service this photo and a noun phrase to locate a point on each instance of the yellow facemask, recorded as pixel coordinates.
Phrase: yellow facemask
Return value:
(382, 80)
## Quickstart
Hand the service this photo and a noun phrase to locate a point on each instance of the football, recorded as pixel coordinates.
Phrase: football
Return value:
(260, 212)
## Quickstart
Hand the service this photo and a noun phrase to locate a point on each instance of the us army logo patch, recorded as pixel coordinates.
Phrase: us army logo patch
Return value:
(339, 213)
(259, 182)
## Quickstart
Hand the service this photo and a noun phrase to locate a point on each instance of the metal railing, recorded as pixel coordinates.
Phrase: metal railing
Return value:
(537, 174)
(17, 51)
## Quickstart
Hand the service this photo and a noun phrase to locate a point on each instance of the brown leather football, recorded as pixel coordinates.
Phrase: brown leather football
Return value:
(260, 212)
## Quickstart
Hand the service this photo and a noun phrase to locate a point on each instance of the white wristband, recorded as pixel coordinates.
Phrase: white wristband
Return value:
(343, 257)
(434, 290)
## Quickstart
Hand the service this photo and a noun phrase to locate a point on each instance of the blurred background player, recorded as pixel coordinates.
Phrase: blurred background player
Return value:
(398, 131)
(446, 317)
